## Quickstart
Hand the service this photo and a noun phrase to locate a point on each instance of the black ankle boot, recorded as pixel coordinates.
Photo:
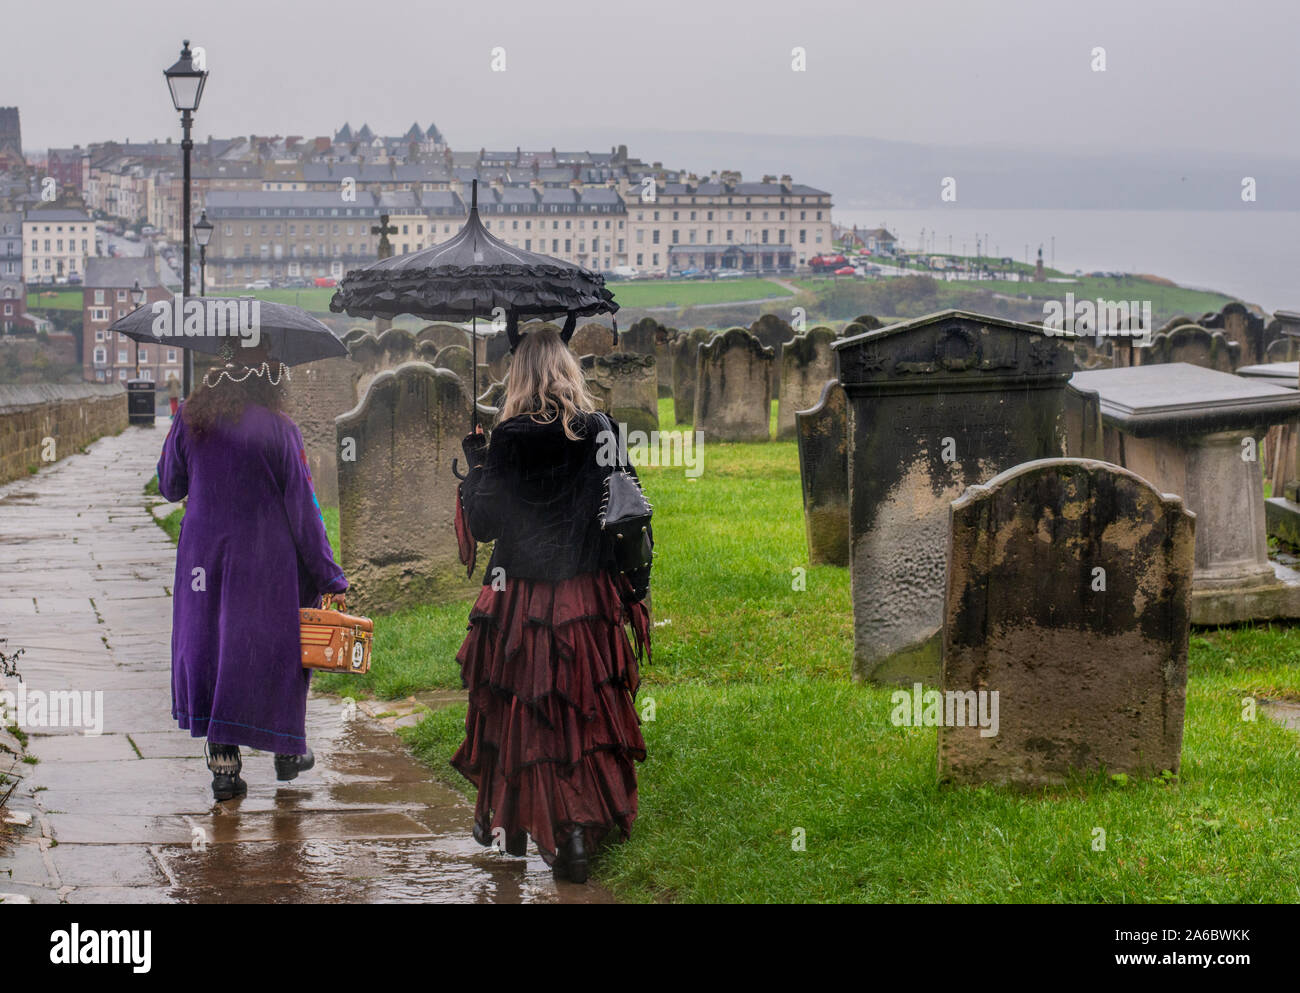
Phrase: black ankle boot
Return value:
(575, 857)
(225, 764)
(287, 767)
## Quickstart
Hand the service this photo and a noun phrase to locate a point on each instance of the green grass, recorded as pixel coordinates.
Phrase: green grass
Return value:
(44, 298)
(758, 731)
(758, 735)
(691, 292)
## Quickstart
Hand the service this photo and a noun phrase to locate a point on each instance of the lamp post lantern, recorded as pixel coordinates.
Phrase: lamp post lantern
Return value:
(203, 235)
(186, 80)
(137, 298)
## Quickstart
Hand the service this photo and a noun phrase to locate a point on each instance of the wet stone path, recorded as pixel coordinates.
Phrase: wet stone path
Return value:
(127, 815)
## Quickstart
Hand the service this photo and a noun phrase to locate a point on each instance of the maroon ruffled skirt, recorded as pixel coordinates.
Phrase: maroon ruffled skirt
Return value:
(551, 733)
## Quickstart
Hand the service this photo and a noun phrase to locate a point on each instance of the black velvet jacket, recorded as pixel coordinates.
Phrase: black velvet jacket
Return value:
(536, 494)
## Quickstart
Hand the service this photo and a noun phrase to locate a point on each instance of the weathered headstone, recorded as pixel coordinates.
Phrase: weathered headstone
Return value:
(375, 355)
(685, 363)
(1083, 433)
(807, 365)
(1068, 594)
(642, 337)
(823, 435)
(733, 391)
(773, 331)
(936, 404)
(626, 384)
(317, 393)
(442, 335)
(397, 492)
(457, 359)
(1194, 345)
(354, 335)
(1243, 324)
(592, 339)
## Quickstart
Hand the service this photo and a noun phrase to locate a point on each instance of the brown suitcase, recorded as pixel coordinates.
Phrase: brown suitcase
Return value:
(335, 641)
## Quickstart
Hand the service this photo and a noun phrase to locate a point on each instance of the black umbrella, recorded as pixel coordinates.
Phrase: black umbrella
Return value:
(213, 324)
(475, 275)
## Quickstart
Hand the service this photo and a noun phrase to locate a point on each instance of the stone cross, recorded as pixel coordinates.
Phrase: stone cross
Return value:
(384, 229)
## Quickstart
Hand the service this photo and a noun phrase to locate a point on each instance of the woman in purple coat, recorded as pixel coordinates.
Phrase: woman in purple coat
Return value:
(252, 551)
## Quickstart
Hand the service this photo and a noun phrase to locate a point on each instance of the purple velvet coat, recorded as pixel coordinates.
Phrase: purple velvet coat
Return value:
(252, 551)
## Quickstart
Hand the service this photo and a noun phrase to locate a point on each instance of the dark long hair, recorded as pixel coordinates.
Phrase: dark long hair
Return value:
(226, 400)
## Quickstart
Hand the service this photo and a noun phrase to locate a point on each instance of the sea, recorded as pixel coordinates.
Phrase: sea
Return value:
(1248, 254)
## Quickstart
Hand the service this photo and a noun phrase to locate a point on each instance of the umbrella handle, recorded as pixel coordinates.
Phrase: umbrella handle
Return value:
(456, 472)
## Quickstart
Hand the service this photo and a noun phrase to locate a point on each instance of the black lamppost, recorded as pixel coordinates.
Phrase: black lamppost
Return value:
(137, 298)
(185, 81)
(203, 235)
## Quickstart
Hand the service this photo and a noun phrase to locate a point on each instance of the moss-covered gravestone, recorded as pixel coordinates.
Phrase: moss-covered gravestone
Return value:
(456, 358)
(734, 388)
(316, 394)
(626, 384)
(442, 335)
(685, 363)
(397, 493)
(592, 339)
(1068, 597)
(1194, 345)
(823, 434)
(936, 404)
(807, 365)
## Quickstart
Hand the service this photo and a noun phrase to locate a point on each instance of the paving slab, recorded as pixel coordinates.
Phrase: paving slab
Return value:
(127, 816)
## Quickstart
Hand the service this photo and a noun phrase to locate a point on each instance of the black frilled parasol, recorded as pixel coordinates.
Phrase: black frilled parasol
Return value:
(475, 275)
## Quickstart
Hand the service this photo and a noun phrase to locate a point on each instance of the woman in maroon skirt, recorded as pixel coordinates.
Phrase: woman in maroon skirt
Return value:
(551, 733)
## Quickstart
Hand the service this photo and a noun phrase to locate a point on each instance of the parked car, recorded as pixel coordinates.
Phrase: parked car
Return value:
(74, 279)
(258, 284)
(827, 263)
(325, 281)
(689, 273)
(728, 274)
(624, 272)
(846, 270)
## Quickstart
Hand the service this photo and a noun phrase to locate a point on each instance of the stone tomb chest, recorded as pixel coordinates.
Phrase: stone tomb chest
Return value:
(1196, 432)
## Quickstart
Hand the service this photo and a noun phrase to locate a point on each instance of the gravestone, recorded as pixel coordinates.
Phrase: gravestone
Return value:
(626, 384)
(685, 365)
(807, 365)
(397, 494)
(936, 404)
(1068, 593)
(773, 331)
(317, 393)
(458, 360)
(734, 388)
(354, 335)
(592, 339)
(1196, 432)
(1194, 345)
(442, 335)
(1278, 451)
(866, 322)
(823, 435)
(1244, 325)
(1083, 431)
(376, 354)
(642, 337)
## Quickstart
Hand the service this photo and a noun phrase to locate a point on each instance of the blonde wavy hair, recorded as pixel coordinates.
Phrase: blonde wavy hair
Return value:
(545, 381)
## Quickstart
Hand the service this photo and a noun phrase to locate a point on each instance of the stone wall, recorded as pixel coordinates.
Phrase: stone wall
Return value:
(73, 415)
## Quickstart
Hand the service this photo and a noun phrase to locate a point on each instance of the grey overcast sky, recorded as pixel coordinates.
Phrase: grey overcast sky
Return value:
(1193, 74)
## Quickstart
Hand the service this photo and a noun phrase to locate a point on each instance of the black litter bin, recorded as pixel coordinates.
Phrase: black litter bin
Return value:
(140, 401)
